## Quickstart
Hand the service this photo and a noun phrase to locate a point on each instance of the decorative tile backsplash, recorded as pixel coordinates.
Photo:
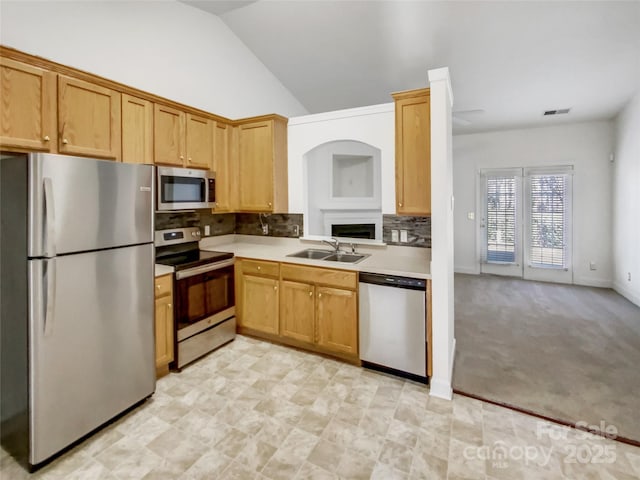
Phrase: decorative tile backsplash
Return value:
(279, 225)
(418, 230)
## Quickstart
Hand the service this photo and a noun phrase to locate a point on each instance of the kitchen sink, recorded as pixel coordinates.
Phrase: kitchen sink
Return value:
(345, 257)
(312, 254)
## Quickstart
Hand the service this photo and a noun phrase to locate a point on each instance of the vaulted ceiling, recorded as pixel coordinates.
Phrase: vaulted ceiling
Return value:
(509, 61)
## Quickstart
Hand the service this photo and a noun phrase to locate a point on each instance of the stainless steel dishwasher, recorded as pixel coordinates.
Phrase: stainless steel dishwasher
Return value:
(392, 325)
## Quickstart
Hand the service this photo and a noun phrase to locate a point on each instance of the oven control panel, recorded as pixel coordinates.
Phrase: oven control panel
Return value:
(176, 236)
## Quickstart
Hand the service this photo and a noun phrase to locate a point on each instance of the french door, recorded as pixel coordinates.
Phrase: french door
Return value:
(526, 223)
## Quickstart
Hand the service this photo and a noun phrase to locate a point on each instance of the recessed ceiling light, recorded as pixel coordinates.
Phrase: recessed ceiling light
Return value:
(559, 111)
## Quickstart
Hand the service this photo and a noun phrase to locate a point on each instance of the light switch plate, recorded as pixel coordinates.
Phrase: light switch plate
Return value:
(394, 236)
(404, 237)
(207, 229)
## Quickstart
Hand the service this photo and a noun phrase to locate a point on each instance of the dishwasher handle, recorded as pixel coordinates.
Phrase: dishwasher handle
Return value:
(394, 281)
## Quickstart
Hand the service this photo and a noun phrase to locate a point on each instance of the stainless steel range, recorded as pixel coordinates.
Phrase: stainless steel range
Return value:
(204, 313)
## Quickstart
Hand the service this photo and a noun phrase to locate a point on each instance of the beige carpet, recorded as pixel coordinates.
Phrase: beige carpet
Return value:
(562, 351)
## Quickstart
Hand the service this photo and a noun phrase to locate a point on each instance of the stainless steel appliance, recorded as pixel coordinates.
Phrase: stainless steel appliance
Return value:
(77, 298)
(204, 313)
(393, 325)
(185, 189)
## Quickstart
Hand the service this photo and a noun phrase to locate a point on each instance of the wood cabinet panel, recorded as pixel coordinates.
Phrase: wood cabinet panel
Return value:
(164, 323)
(222, 166)
(28, 96)
(260, 267)
(164, 331)
(260, 305)
(255, 166)
(336, 317)
(320, 276)
(199, 142)
(168, 135)
(297, 311)
(413, 153)
(137, 130)
(89, 119)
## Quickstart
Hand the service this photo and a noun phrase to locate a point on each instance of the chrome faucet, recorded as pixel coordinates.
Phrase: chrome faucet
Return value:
(334, 242)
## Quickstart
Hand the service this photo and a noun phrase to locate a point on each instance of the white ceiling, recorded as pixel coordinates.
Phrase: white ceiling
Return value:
(511, 60)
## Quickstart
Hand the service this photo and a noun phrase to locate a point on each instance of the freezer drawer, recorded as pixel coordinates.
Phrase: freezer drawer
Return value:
(392, 328)
(91, 342)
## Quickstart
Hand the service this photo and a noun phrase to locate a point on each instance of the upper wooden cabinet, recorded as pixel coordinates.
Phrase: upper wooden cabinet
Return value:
(137, 130)
(199, 142)
(262, 165)
(413, 152)
(168, 135)
(88, 119)
(28, 118)
(222, 166)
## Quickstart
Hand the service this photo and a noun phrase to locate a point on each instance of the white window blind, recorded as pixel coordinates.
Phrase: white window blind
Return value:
(549, 218)
(501, 191)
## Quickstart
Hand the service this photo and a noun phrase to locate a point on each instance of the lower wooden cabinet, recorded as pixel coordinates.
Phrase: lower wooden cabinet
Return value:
(164, 323)
(257, 306)
(260, 303)
(297, 311)
(308, 307)
(337, 320)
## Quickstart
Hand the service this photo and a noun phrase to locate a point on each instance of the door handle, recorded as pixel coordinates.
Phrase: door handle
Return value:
(50, 305)
(50, 218)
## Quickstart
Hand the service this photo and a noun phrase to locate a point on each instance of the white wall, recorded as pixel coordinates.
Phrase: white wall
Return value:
(374, 125)
(165, 47)
(626, 202)
(586, 146)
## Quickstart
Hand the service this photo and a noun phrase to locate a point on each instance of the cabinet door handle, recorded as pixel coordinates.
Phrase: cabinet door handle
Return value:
(181, 157)
(65, 141)
(275, 287)
(46, 138)
(319, 295)
(169, 305)
(400, 204)
(158, 287)
(189, 158)
(259, 268)
(269, 204)
(311, 294)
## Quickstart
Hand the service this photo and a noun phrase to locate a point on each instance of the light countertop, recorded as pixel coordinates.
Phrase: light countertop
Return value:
(163, 270)
(386, 259)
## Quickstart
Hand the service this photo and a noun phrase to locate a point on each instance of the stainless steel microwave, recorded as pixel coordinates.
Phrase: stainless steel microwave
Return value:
(185, 189)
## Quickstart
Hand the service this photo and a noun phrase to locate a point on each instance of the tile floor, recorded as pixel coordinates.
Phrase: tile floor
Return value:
(253, 410)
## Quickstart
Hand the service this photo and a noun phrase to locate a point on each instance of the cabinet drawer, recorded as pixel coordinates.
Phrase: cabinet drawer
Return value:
(257, 267)
(320, 276)
(164, 285)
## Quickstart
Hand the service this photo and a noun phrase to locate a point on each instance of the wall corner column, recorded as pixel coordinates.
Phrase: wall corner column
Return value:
(442, 244)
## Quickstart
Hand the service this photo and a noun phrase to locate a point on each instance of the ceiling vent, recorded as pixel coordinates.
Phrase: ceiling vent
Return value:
(560, 111)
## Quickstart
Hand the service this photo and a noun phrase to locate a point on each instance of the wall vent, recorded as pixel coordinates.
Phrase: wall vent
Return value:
(559, 111)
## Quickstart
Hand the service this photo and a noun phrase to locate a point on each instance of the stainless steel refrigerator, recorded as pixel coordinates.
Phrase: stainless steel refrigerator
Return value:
(76, 298)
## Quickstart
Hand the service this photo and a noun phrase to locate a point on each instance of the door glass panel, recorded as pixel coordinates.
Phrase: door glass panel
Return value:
(501, 219)
(548, 221)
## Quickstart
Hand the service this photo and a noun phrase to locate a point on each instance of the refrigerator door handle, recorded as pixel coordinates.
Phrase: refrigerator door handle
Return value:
(50, 218)
(50, 297)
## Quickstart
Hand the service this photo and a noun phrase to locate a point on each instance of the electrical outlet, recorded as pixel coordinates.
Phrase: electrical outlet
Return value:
(296, 230)
(471, 216)
(207, 229)
(592, 265)
(394, 236)
(404, 236)
(628, 276)
(265, 229)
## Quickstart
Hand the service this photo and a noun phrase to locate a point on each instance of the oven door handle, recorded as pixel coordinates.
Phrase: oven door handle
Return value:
(190, 272)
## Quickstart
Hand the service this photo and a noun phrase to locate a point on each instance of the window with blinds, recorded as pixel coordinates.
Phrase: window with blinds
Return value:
(501, 212)
(548, 220)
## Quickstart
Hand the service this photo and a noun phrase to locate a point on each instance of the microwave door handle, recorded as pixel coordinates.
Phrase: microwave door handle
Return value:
(50, 218)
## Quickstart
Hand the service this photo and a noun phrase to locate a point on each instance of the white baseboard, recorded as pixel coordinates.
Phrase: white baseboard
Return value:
(626, 292)
(467, 270)
(442, 388)
(592, 282)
